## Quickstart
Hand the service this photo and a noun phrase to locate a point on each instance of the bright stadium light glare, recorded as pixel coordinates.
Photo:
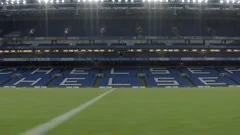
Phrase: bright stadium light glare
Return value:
(182, 1)
(221, 1)
(161, 0)
(132, 1)
(206, 1)
(24, 2)
(199, 1)
(194, 1)
(188, 1)
(90, 1)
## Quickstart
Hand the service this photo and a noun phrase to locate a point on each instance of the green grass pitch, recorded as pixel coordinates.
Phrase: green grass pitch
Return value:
(182, 111)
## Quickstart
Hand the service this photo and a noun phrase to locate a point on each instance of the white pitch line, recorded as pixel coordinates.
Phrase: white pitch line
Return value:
(53, 123)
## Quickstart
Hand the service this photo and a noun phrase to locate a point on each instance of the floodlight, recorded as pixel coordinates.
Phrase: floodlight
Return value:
(24, 2)
(188, 1)
(199, 1)
(221, 1)
(194, 1)
(228, 1)
(132, 0)
(84, 0)
(182, 1)
(90, 1)
(102, 0)
(206, 1)
(161, 0)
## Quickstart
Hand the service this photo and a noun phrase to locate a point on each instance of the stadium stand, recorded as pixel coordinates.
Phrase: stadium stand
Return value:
(120, 77)
(133, 33)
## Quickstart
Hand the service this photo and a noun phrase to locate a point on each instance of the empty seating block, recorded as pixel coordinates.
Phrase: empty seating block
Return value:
(119, 77)
(163, 77)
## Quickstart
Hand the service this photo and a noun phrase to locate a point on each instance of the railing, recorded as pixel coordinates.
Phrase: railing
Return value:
(121, 59)
(124, 38)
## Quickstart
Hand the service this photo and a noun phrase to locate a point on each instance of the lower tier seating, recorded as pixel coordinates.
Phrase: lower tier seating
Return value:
(120, 77)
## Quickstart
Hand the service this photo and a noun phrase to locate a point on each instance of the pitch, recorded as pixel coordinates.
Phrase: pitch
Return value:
(182, 111)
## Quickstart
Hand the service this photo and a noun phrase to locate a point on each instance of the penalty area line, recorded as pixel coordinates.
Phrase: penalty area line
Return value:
(44, 128)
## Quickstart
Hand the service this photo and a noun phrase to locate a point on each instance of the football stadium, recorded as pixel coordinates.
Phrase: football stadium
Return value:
(119, 67)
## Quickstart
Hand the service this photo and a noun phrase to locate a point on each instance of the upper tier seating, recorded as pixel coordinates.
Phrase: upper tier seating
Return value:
(77, 28)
